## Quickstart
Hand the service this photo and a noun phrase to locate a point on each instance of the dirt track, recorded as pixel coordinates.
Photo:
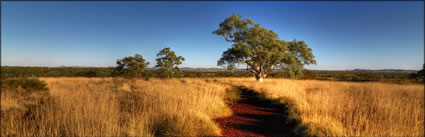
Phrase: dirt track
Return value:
(253, 117)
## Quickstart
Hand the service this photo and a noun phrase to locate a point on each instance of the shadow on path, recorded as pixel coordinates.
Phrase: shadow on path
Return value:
(254, 117)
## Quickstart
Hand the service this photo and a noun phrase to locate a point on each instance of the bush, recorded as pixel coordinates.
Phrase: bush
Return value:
(21, 97)
(308, 74)
(27, 84)
(87, 73)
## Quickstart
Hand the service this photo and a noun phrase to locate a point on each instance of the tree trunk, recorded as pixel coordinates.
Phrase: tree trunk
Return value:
(259, 77)
(260, 80)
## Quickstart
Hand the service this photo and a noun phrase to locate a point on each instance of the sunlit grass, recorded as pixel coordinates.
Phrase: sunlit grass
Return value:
(119, 107)
(349, 108)
(186, 107)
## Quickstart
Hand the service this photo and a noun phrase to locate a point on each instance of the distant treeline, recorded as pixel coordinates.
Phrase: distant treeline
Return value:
(7, 72)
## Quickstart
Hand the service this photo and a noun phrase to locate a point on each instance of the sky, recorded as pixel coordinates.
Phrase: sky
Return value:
(342, 35)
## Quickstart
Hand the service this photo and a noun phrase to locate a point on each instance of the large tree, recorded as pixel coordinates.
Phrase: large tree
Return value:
(261, 49)
(167, 61)
(132, 66)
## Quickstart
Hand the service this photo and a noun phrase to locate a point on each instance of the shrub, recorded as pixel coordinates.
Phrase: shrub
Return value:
(27, 84)
(87, 73)
(21, 99)
(308, 74)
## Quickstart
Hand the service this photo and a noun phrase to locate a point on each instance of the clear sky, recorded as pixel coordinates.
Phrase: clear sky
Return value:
(343, 35)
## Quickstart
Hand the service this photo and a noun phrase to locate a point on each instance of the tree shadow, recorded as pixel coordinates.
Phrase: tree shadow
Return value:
(255, 115)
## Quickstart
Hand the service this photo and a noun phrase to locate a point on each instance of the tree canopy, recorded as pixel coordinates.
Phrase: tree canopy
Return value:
(167, 61)
(261, 49)
(132, 66)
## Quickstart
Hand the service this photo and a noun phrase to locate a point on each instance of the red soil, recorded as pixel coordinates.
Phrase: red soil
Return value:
(252, 117)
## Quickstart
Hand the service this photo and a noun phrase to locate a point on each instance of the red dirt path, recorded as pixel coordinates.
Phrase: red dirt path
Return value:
(252, 117)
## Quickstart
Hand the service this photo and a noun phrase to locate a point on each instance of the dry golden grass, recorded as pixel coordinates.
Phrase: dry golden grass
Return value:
(119, 107)
(348, 108)
(185, 107)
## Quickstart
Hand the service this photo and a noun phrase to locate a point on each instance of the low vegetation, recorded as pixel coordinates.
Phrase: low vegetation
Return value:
(387, 77)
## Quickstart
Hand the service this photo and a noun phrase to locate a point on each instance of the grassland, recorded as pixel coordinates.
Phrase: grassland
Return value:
(186, 106)
(118, 107)
(348, 108)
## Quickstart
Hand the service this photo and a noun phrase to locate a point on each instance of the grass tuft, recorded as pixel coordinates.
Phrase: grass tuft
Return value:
(232, 95)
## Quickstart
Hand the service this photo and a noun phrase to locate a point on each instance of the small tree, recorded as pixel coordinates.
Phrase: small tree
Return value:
(260, 49)
(167, 61)
(132, 66)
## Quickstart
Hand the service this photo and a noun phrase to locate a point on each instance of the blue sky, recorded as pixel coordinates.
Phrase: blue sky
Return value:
(343, 35)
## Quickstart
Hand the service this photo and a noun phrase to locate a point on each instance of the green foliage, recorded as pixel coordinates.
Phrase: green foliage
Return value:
(291, 71)
(132, 66)
(167, 61)
(261, 49)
